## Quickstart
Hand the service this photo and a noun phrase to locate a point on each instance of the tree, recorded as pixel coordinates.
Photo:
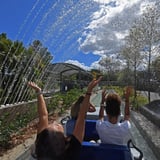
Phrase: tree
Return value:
(150, 27)
(10, 58)
(131, 52)
(35, 61)
(18, 65)
(111, 66)
(156, 68)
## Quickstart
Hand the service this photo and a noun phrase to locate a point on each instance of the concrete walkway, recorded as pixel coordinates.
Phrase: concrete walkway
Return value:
(150, 133)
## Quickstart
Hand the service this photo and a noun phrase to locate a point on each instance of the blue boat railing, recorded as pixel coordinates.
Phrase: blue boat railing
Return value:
(96, 151)
(90, 129)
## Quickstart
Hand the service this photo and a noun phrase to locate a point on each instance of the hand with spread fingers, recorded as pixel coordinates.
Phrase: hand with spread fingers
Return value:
(92, 84)
(34, 86)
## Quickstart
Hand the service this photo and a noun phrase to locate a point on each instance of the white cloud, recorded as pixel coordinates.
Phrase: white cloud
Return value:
(104, 33)
(109, 25)
(77, 63)
(94, 65)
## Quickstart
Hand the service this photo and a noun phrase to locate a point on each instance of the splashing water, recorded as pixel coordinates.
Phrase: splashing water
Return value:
(58, 25)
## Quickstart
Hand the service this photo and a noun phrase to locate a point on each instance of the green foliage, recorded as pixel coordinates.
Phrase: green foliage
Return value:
(20, 64)
(4, 131)
(62, 101)
(9, 126)
(138, 102)
(117, 89)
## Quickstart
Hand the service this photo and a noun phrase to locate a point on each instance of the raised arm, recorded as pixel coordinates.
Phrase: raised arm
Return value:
(80, 123)
(42, 110)
(101, 111)
(126, 109)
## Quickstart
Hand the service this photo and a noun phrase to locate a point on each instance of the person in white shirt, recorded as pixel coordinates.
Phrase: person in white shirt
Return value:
(111, 131)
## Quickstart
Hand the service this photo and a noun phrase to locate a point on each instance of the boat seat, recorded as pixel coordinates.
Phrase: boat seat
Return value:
(95, 151)
(90, 129)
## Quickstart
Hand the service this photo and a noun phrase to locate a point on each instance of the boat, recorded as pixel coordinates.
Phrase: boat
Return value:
(91, 150)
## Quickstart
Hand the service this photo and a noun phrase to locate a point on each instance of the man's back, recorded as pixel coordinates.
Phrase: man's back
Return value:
(113, 133)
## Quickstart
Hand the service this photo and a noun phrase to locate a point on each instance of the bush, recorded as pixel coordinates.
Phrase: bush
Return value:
(138, 102)
(62, 101)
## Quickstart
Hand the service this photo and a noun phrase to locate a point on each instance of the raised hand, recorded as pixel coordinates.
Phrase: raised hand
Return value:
(128, 92)
(93, 83)
(34, 86)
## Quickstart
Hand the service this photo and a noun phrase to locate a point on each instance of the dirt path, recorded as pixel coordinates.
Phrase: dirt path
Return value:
(20, 143)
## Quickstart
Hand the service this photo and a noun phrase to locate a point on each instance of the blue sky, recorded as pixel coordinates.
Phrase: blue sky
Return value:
(20, 19)
(75, 31)
(12, 15)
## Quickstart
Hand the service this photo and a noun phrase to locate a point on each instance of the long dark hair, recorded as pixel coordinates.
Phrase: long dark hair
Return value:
(50, 145)
(80, 100)
(76, 107)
